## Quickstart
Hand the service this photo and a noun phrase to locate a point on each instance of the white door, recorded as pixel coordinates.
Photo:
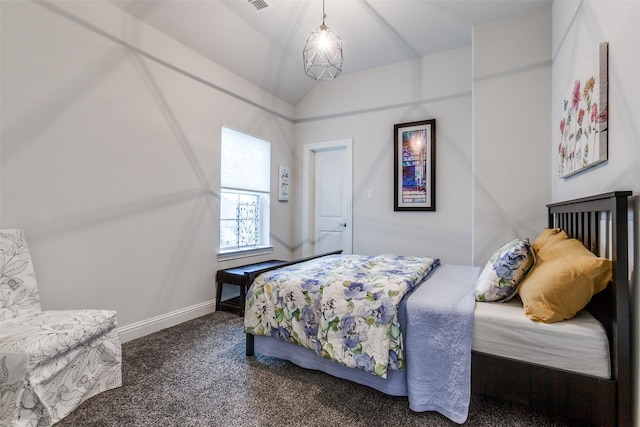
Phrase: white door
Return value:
(328, 204)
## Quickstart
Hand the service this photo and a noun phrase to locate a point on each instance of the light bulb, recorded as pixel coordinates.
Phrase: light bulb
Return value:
(324, 40)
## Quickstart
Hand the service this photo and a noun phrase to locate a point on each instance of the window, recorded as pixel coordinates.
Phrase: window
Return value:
(244, 196)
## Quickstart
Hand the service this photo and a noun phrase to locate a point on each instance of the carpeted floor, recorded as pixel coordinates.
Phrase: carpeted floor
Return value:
(196, 374)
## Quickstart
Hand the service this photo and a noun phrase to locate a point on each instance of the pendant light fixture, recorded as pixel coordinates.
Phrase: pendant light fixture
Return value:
(323, 53)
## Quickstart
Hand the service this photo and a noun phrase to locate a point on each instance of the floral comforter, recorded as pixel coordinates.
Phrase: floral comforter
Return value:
(343, 307)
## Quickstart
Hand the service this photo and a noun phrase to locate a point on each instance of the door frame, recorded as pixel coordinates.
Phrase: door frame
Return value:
(309, 150)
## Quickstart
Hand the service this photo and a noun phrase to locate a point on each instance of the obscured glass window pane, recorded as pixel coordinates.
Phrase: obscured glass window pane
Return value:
(244, 197)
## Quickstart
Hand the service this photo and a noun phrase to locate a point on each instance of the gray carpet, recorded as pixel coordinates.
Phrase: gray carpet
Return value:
(196, 374)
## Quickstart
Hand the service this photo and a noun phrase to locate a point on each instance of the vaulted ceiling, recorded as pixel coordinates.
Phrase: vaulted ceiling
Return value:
(265, 46)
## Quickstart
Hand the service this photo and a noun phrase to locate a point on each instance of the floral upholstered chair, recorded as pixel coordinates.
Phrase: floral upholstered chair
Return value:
(50, 361)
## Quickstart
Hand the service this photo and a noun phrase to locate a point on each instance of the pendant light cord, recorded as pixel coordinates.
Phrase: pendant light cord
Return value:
(324, 15)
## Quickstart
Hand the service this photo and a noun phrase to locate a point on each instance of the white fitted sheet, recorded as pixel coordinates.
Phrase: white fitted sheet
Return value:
(577, 345)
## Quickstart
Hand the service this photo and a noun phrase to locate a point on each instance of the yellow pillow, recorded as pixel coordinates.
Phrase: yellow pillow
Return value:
(544, 236)
(564, 279)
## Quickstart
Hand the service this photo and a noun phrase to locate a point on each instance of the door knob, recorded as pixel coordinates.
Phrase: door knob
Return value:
(344, 224)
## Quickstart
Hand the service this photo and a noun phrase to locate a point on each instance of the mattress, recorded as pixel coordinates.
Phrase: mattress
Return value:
(577, 345)
(501, 329)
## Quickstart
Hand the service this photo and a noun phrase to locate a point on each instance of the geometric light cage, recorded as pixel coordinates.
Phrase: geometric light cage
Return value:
(322, 54)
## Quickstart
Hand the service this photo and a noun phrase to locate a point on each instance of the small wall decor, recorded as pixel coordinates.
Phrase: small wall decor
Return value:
(583, 126)
(283, 183)
(415, 166)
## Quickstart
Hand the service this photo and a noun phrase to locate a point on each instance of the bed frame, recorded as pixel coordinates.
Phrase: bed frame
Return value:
(583, 398)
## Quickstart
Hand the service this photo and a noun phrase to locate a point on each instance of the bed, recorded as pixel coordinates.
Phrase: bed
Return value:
(577, 369)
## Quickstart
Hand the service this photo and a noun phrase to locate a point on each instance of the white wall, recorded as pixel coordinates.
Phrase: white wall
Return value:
(506, 79)
(110, 159)
(365, 106)
(511, 125)
(579, 26)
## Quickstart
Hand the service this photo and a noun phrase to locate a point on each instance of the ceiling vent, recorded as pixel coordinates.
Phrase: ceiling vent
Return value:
(258, 5)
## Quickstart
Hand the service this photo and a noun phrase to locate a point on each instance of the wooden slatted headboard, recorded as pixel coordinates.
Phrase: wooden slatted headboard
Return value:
(601, 224)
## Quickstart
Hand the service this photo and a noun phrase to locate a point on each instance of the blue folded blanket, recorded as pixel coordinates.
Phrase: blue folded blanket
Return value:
(438, 334)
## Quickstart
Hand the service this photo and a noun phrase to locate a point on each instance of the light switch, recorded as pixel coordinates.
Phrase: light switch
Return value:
(371, 194)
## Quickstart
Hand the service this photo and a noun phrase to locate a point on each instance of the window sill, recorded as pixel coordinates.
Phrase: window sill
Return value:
(246, 253)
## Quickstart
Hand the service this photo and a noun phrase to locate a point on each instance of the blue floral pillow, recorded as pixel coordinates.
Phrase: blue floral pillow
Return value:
(504, 271)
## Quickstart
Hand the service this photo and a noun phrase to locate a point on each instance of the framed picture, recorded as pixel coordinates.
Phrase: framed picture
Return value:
(415, 166)
(583, 125)
(283, 183)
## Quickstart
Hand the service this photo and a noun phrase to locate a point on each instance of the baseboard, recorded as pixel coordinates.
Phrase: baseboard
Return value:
(155, 324)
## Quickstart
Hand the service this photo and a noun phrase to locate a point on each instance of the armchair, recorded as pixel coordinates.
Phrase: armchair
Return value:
(50, 361)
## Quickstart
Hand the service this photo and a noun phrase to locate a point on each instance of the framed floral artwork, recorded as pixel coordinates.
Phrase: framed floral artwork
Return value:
(283, 183)
(415, 166)
(583, 125)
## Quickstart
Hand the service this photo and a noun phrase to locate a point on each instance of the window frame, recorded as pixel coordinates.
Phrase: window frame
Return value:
(264, 209)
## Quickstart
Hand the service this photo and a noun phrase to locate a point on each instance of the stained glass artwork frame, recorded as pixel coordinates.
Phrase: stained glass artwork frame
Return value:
(415, 166)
